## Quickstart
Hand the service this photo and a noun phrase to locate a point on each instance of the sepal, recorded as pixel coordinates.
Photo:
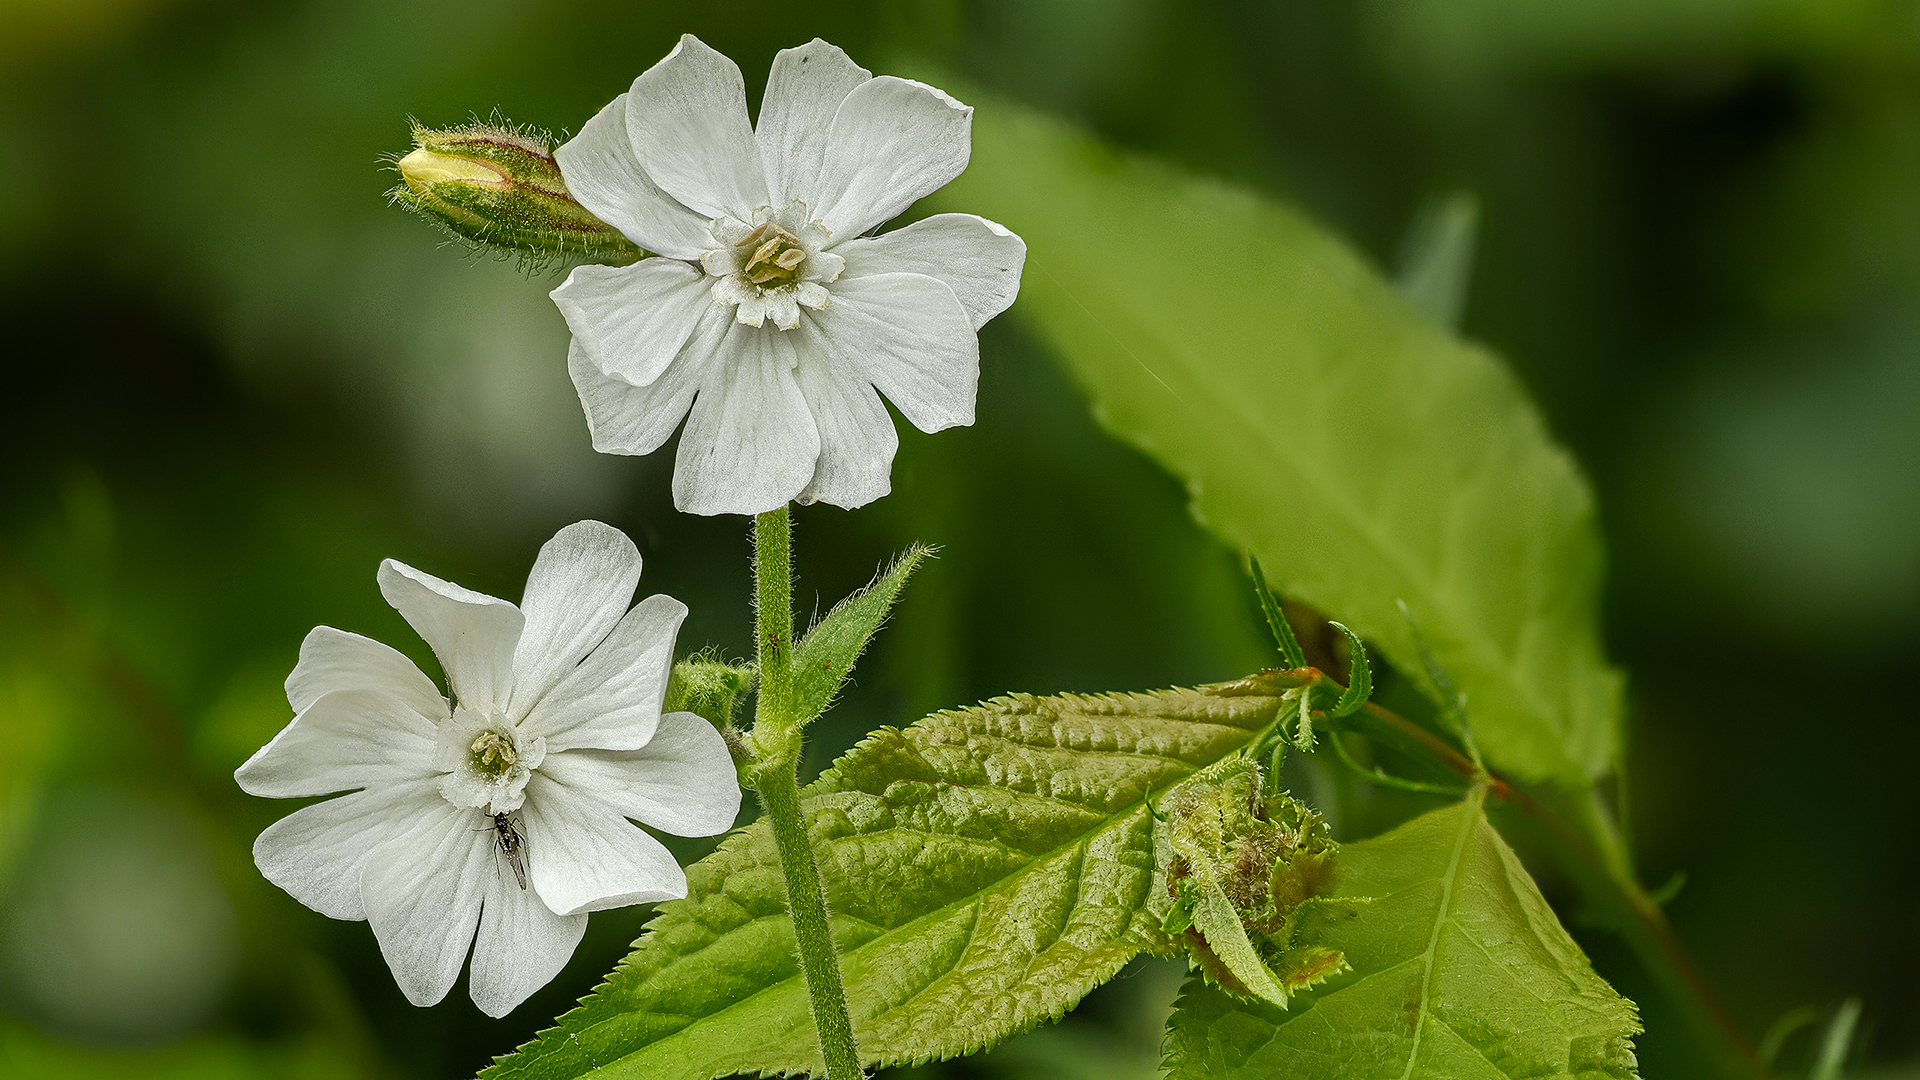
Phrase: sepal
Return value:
(498, 186)
(1283, 637)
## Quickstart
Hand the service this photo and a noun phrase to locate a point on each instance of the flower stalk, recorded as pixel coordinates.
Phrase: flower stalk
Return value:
(775, 744)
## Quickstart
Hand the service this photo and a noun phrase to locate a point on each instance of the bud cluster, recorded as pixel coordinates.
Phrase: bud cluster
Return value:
(498, 186)
(1248, 874)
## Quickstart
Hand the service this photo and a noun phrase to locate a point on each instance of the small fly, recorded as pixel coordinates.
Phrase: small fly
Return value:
(507, 837)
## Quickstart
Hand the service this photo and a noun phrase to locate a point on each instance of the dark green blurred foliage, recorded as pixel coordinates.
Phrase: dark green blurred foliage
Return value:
(236, 379)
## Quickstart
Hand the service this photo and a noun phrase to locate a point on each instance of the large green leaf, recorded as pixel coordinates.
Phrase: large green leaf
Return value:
(985, 868)
(1362, 453)
(1459, 972)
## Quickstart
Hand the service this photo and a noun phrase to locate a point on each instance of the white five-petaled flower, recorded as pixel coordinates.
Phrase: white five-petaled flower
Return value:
(771, 316)
(505, 811)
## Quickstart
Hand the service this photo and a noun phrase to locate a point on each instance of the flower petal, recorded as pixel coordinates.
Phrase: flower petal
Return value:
(627, 419)
(603, 174)
(687, 117)
(422, 891)
(750, 443)
(521, 946)
(473, 634)
(804, 91)
(583, 856)
(978, 259)
(611, 701)
(633, 320)
(682, 782)
(892, 142)
(317, 852)
(580, 587)
(908, 335)
(857, 439)
(347, 739)
(337, 660)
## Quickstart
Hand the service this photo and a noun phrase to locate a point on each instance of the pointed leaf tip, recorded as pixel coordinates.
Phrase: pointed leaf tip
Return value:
(1359, 674)
(825, 657)
(1289, 645)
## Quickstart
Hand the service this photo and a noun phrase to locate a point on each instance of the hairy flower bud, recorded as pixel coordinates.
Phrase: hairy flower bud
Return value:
(498, 186)
(1247, 874)
(705, 685)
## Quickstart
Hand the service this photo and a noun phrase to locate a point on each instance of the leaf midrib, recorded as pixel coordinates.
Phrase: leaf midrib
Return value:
(1449, 879)
(1108, 821)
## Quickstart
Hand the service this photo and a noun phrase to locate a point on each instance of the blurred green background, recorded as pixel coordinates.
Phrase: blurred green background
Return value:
(235, 379)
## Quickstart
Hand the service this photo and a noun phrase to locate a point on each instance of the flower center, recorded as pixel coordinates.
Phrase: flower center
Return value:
(775, 256)
(491, 754)
(771, 267)
(486, 761)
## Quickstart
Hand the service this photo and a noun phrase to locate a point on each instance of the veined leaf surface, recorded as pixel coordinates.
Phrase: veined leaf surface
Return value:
(985, 868)
(1459, 972)
(1361, 452)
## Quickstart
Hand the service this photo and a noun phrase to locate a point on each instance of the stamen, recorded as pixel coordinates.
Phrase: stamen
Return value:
(492, 753)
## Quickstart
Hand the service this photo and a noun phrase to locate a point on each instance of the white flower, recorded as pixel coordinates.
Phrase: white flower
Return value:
(506, 811)
(770, 315)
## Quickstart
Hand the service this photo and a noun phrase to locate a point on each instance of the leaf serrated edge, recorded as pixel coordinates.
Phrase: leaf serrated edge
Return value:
(832, 780)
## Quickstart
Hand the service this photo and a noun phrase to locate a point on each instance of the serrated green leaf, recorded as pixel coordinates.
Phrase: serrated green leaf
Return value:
(985, 867)
(1359, 451)
(1459, 972)
(1359, 674)
(1227, 941)
(825, 656)
(1283, 637)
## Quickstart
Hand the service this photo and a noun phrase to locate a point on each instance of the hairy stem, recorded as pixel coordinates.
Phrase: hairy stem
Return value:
(773, 619)
(1605, 877)
(776, 740)
(819, 959)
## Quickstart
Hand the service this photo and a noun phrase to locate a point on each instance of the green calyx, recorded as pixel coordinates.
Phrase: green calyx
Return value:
(709, 687)
(499, 186)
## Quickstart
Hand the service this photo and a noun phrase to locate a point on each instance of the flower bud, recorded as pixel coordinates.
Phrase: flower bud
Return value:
(707, 686)
(1246, 878)
(500, 187)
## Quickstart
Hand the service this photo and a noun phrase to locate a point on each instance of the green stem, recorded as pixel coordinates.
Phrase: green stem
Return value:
(776, 740)
(773, 617)
(807, 903)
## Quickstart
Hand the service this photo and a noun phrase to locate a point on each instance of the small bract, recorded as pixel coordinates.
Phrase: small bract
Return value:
(771, 316)
(505, 811)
